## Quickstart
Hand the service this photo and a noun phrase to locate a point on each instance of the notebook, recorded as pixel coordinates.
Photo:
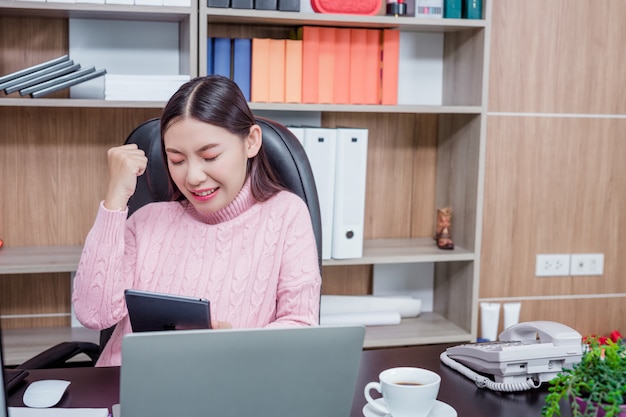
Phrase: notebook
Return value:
(286, 372)
(151, 311)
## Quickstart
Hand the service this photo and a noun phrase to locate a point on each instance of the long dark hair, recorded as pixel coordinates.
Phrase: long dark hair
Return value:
(218, 100)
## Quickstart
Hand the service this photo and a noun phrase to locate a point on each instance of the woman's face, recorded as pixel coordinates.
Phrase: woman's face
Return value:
(208, 163)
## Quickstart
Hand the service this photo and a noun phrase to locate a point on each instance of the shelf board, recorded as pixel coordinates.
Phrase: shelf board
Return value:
(79, 103)
(265, 17)
(98, 11)
(22, 344)
(367, 108)
(49, 259)
(39, 259)
(386, 251)
(427, 328)
(346, 108)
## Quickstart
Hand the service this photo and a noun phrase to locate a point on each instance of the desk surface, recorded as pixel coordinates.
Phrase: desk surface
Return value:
(99, 387)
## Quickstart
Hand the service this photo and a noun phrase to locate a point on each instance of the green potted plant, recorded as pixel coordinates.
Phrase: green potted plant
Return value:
(596, 386)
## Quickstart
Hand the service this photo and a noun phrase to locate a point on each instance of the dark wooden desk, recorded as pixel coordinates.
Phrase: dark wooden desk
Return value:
(99, 387)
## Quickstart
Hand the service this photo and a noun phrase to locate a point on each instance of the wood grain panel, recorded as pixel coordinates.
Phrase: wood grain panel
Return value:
(35, 294)
(401, 161)
(53, 170)
(558, 56)
(599, 316)
(26, 41)
(347, 280)
(553, 185)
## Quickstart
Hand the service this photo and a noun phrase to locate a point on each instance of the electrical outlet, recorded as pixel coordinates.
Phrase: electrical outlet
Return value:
(587, 264)
(552, 265)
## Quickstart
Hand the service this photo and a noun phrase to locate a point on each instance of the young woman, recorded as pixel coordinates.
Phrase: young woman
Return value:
(232, 235)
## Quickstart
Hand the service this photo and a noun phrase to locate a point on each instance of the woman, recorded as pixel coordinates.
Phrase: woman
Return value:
(232, 235)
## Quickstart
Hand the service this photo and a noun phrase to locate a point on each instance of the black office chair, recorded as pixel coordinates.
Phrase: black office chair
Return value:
(286, 156)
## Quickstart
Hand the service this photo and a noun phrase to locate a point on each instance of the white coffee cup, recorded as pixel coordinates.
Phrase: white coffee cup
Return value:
(407, 392)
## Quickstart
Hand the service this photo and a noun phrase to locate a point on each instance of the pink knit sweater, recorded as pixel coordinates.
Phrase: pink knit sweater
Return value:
(256, 263)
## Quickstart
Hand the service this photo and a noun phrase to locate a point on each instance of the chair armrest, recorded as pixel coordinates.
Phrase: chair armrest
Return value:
(58, 355)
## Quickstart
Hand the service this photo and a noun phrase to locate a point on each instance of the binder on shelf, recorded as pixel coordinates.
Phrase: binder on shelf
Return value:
(390, 67)
(341, 89)
(58, 80)
(276, 71)
(242, 4)
(320, 145)
(210, 64)
(349, 200)
(298, 132)
(221, 56)
(31, 69)
(68, 83)
(27, 87)
(8, 86)
(358, 51)
(452, 9)
(472, 9)
(260, 70)
(310, 36)
(372, 67)
(266, 4)
(293, 71)
(326, 65)
(242, 64)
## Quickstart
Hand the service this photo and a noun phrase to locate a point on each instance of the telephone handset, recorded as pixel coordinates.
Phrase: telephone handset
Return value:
(525, 355)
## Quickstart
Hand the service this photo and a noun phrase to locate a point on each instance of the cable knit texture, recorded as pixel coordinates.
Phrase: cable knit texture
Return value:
(256, 263)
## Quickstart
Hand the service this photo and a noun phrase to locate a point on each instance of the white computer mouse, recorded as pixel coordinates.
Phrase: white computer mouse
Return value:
(44, 393)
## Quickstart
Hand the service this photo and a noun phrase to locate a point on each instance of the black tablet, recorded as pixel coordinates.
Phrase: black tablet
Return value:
(151, 312)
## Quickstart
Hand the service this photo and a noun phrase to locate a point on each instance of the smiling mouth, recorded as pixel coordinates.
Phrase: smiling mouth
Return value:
(205, 193)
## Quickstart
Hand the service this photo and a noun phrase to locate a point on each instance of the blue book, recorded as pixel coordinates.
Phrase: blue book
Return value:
(242, 65)
(210, 64)
(222, 56)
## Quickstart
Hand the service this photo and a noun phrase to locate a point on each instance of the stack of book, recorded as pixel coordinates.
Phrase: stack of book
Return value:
(142, 87)
(48, 77)
(317, 65)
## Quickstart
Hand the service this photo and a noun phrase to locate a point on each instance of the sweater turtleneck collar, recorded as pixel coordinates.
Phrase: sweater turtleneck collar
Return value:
(241, 203)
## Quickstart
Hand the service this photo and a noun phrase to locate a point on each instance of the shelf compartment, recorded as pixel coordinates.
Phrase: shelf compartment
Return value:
(385, 251)
(39, 259)
(22, 344)
(261, 17)
(99, 11)
(427, 328)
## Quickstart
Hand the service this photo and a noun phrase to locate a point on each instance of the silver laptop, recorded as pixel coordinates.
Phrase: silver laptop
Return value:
(292, 372)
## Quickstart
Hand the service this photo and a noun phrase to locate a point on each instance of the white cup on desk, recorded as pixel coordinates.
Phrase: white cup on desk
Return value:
(406, 392)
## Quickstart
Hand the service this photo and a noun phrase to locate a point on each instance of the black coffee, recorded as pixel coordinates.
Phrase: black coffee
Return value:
(410, 384)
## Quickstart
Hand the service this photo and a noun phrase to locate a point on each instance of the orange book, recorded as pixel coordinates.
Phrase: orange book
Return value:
(293, 71)
(358, 46)
(372, 67)
(342, 66)
(390, 66)
(310, 36)
(277, 71)
(326, 62)
(260, 70)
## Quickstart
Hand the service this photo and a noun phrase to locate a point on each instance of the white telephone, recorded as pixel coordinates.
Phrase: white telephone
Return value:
(525, 355)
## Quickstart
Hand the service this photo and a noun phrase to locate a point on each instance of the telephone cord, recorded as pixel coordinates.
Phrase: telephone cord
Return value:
(484, 382)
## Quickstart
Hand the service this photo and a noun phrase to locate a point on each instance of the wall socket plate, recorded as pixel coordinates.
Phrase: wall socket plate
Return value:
(552, 265)
(587, 264)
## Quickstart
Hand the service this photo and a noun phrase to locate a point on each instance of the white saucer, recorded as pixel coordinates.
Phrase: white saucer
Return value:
(440, 409)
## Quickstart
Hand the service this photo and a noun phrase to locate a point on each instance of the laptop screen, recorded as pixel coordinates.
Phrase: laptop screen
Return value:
(3, 397)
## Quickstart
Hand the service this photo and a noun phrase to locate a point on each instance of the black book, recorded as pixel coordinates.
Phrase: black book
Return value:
(21, 87)
(67, 81)
(34, 68)
(7, 85)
